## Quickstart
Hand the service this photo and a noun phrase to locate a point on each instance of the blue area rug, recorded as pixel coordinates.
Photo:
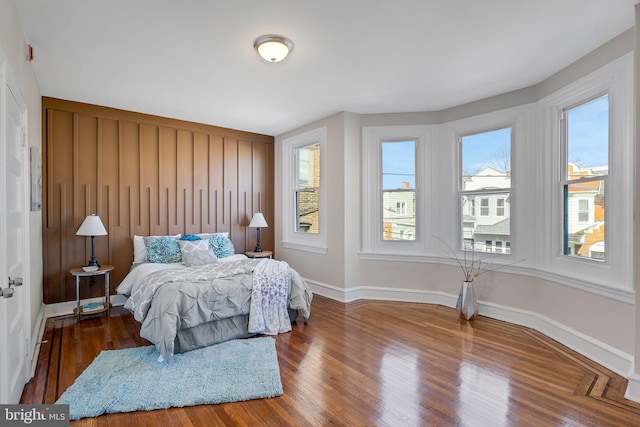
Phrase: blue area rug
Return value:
(133, 379)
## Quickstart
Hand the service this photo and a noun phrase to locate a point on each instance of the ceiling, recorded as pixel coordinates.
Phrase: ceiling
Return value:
(194, 59)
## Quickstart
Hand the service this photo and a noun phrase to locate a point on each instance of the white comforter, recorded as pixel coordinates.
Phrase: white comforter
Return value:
(138, 272)
(167, 298)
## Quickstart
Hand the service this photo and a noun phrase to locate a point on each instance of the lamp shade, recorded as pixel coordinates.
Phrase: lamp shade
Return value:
(258, 221)
(91, 226)
(273, 48)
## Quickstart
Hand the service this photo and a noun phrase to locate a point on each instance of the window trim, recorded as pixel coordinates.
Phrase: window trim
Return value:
(310, 242)
(508, 192)
(519, 119)
(614, 275)
(372, 139)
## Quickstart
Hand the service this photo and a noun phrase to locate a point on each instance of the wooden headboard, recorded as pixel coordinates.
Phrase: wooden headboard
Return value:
(143, 175)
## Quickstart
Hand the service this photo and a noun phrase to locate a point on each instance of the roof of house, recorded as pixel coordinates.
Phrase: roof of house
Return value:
(499, 228)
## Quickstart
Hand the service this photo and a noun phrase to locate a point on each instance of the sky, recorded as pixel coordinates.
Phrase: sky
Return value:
(398, 164)
(588, 135)
(588, 129)
(491, 148)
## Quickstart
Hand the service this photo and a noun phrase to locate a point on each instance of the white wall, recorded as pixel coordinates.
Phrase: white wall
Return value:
(596, 325)
(22, 77)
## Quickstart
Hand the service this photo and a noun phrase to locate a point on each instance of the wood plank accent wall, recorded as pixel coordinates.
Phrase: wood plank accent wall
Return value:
(143, 175)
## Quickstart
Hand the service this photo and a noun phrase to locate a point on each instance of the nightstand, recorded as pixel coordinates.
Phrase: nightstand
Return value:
(105, 271)
(263, 254)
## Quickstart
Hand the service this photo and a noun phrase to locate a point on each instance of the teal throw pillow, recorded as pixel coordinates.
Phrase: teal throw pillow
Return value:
(164, 250)
(190, 237)
(222, 247)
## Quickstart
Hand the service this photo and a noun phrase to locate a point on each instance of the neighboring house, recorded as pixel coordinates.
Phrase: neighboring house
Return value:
(399, 213)
(486, 216)
(486, 213)
(585, 219)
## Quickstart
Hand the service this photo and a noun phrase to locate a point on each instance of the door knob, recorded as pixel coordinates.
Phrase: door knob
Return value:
(15, 282)
(8, 292)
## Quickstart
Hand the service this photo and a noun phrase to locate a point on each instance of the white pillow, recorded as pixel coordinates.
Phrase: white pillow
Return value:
(200, 257)
(187, 246)
(196, 252)
(140, 248)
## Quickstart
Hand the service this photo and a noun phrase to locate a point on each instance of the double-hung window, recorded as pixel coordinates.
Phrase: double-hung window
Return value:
(396, 191)
(585, 137)
(587, 180)
(304, 196)
(401, 208)
(484, 207)
(486, 182)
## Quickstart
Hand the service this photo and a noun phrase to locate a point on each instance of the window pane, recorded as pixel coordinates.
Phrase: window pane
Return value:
(486, 160)
(588, 139)
(485, 187)
(398, 190)
(307, 188)
(587, 148)
(307, 211)
(584, 221)
(500, 207)
(479, 232)
(308, 166)
(484, 207)
(583, 210)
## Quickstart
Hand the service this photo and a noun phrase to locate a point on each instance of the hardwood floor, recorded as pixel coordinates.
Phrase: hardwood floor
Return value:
(374, 363)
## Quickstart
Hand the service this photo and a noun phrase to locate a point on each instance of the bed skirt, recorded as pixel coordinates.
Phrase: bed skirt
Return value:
(216, 332)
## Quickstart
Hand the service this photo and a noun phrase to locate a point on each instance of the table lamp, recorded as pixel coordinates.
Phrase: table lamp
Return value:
(92, 226)
(258, 222)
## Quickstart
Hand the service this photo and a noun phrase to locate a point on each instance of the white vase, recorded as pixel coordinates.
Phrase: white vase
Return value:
(467, 305)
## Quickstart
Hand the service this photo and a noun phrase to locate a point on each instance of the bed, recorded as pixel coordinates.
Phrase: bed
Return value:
(204, 296)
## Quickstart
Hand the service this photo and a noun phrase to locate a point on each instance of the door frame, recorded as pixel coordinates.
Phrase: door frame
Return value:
(9, 87)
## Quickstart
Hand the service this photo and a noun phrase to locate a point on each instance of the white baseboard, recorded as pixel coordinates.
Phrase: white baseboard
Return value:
(633, 388)
(36, 339)
(602, 353)
(380, 293)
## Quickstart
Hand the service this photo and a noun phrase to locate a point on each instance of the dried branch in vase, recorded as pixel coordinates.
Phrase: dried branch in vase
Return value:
(473, 264)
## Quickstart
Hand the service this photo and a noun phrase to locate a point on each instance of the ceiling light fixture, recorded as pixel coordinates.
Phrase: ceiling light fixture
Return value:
(273, 48)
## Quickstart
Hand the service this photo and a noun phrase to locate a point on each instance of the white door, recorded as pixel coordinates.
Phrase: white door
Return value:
(13, 241)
